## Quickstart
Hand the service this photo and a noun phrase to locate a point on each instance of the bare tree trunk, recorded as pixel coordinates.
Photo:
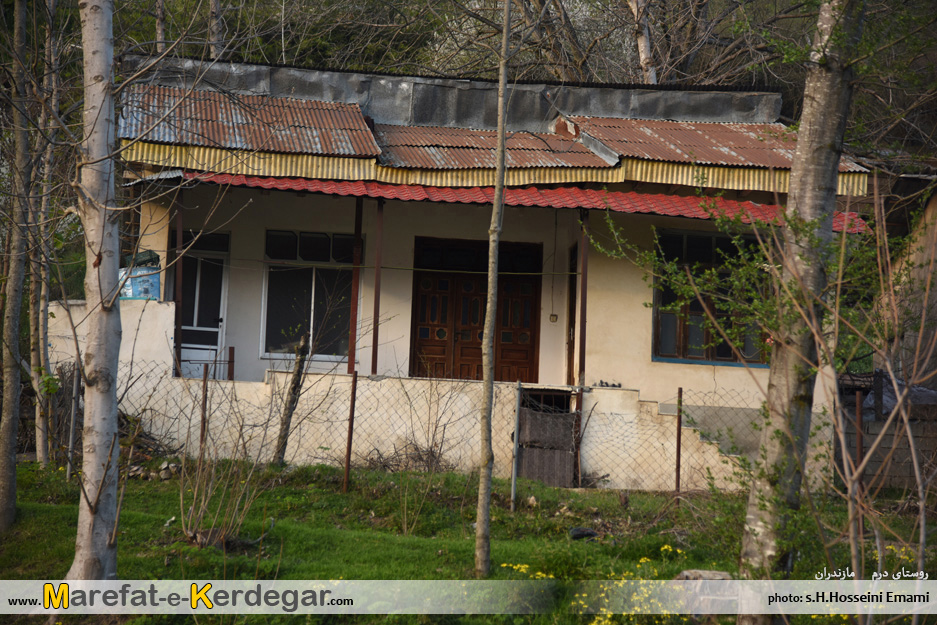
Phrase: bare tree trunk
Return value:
(51, 91)
(22, 183)
(558, 39)
(5, 259)
(812, 199)
(214, 30)
(292, 398)
(483, 514)
(96, 543)
(160, 26)
(642, 34)
(38, 256)
(36, 370)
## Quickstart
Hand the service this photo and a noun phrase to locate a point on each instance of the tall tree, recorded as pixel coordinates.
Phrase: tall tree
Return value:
(806, 236)
(22, 185)
(96, 543)
(483, 516)
(642, 36)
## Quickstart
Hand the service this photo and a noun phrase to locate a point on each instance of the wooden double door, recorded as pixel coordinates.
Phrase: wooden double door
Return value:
(449, 319)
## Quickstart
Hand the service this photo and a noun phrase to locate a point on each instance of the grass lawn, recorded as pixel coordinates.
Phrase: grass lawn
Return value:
(396, 526)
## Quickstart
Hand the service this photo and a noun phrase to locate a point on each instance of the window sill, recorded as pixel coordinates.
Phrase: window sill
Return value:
(312, 357)
(711, 363)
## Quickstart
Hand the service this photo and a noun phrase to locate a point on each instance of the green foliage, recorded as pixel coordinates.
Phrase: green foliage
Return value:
(324, 534)
(49, 384)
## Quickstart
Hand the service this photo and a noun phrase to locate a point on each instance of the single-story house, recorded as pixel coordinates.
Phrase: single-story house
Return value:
(274, 201)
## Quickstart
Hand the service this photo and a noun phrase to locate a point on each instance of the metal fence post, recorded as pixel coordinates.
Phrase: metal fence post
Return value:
(204, 424)
(517, 437)
(679, 435)
(859, 454)
(351, 429)
(230, 362)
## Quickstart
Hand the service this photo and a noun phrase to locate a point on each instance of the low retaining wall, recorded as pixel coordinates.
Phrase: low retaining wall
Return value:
(413, 423)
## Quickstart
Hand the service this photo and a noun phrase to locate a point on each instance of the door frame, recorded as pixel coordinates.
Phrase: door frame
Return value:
(222, 313)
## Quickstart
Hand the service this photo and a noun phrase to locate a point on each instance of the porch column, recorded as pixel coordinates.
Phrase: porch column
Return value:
(583, 282)
(378, 251)
(177, 295)
(355, 286)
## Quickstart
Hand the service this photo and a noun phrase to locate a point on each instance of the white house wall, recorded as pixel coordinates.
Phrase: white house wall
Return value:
(619, 331)
(619, 323)
(147, 331)
(247, 214)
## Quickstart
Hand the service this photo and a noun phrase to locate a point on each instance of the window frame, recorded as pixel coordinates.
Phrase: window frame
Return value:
(298, 263)
(681, 341)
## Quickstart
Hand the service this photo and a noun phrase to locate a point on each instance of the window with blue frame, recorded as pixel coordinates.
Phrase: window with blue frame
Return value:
(682, 330)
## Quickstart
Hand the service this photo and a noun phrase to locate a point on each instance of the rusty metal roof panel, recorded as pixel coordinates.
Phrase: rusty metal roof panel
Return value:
(244, 122)
(423, 147)
(729, 144)
(564, 197)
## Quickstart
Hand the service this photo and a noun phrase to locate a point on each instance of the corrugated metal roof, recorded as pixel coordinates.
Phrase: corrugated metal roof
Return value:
(249, 162)
(244, 122)
(773, 180)
(736, 145)
(432, 147)
(561, 197)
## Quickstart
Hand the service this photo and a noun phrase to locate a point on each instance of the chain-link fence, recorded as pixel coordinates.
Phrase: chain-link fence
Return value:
(399, 423)
(721, 431)
(615, 441)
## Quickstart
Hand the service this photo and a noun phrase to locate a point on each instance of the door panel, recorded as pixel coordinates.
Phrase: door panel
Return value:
(516, 344)
(448, 343)
(471, 294)
(203, 288)
(432, 326)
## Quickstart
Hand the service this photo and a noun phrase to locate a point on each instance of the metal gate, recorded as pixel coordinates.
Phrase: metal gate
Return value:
(548, 437)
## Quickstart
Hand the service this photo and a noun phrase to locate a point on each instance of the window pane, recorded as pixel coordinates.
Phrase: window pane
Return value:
(189, 284)
(723, 349)
(725, 248)
(200, 337)
(667, 296)
(289, 295)
(751, 350)
(332, 312)
(280, 245)
(667, 344)
(343, 248)
(672, 246)
(314, 246)
(696, 337)
(699, 249)
(209, 292)
(204, 241)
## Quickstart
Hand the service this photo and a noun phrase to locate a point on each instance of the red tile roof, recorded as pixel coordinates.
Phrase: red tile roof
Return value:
(738, 145)
(244, 122)
(562, 197)
(432, 147)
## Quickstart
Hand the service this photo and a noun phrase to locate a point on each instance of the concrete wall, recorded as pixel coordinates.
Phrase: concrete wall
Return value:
(147, 330)
(919, 313)
(407, 423)
(619, 332)
(892, 463)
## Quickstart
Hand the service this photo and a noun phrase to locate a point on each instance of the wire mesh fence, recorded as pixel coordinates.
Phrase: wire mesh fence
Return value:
(597, 438)
(565, 436)
(399, 423)
(721, 430)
